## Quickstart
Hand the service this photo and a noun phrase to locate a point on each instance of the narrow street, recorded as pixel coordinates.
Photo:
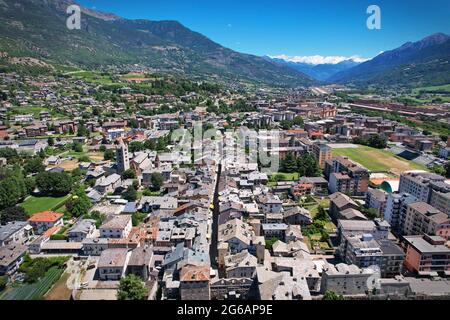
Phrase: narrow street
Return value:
(215, 224)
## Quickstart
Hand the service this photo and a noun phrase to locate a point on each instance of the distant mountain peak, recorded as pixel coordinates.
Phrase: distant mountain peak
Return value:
(317, 59)
(414, 63)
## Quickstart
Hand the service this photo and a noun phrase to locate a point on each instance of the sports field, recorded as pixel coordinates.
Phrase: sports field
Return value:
(34, 291)
(378, 160)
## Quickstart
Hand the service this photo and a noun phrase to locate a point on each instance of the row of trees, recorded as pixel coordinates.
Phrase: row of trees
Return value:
(375, 141)
(288, 124)
(305, 165)
(14, 186)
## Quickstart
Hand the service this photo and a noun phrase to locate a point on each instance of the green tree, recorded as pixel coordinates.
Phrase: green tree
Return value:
(149, 145)
(132, 287)
(79, 204)
(13, 188)
(439, 170)
(157, 181)
(289, 164)
(54, 183)
(51, 141)
(307, 166)
(135, 146)
(77, 147)
(130, 194)
(34, 165)
(330, 295)
(109, 155)
(3, 282)
(129, 174)
(13, 214)
(83, 131)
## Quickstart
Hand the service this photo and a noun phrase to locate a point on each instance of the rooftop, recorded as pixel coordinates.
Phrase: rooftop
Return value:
(46, 216)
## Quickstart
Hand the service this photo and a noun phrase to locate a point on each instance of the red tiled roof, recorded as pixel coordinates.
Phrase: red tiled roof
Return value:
(46, 216)
(51, 231)
(194, 273)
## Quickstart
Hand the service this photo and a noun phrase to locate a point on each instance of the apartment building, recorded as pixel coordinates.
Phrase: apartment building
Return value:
(322, 152)
(427, 255)
(395, 211)
(418, 184)
(422, 218)
(363, 250)
(117, 227)
(346, 176)
(376, 199)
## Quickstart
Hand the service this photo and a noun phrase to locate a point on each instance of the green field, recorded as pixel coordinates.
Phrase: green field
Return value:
(445, 87)
(378, 160)
(286, 176)
(34, 110)
(38, 204)
(34, 291)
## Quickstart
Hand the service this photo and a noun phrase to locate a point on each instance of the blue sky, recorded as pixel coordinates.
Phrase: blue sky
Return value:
(294, 27)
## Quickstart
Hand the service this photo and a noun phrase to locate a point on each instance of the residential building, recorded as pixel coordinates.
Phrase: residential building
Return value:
(108, 184)
(423, 219)
(116, 227)
(82, 229)
(396, 207)
(112, 264)
(274, 230)
(417, 184)
(340, 202)
(140, 263)
(237, 234)
(94, 246)
(347, 177)
(11, 257)
(427, 255)
(297, 216)
(240, 265)
(376, 199)
(195, 283)
(322, 152)
(43, 221)
(347, 280)
(17, 232)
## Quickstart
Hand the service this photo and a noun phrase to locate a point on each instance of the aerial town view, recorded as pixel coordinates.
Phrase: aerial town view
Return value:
(142, 160)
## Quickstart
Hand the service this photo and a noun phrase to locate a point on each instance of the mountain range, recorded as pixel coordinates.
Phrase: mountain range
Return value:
(425, 62)
(37, 29)
(320, 72)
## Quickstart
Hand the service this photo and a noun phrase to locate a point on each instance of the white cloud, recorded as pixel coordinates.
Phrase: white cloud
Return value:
(317, 59)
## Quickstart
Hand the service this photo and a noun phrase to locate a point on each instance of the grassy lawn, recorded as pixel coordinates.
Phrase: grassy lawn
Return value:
(378, 160)
(314, 208)
(38, 204)
(34, 291)
(286, 176)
